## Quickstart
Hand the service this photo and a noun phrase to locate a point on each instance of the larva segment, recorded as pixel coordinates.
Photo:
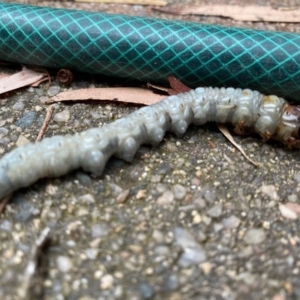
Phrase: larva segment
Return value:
(269, 116)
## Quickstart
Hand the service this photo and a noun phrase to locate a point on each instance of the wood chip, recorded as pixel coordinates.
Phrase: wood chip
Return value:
(120, 94)
(254, 13)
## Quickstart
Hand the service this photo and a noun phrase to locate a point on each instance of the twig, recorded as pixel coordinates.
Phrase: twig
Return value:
(3, 203)
(33, 263)
(50, 111)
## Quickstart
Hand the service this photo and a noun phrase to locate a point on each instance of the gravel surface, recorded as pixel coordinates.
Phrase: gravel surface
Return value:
(189, 219)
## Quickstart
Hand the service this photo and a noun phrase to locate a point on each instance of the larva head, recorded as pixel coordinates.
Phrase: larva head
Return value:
(288, 131)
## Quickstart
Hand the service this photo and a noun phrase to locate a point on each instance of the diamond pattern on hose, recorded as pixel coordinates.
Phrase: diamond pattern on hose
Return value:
(151, 49)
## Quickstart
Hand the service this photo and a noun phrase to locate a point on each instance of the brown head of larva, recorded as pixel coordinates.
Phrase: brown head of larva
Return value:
(288, 131)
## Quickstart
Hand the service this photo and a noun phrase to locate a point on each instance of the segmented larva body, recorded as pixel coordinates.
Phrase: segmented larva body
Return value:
(269, 116)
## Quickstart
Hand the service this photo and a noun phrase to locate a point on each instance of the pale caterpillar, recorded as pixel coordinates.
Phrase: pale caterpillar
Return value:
(269, 116)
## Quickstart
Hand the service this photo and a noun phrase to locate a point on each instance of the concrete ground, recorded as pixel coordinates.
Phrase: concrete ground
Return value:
(189, 219)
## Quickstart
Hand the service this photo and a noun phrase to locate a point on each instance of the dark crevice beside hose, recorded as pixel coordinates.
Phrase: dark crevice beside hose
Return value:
(151, 49)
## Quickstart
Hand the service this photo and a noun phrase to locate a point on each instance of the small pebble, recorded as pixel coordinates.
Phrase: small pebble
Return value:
(87, 198)
(165, 199)
(122, 196)
(270, 191)
(64, 264)
(193, 253)
(92, 253)
(179, 191)
(162, 250)
(231, 222)
(27, 119)
(107, 282)
(209, 195)
(215, 211)
(62, 116)
(53, 90)
(22, 140)
(146, 290)
(19, 105)
(171, 283)
(95, 115)
(297, 177)
(99, 230)
(254, 236)
(293, 198)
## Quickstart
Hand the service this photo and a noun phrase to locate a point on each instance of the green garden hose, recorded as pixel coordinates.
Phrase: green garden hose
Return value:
(151, 49)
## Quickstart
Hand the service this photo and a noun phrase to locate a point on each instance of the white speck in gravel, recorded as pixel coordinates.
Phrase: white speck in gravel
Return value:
(193, 253)
(22, 140)
(254, 236)
(165, 199)
(99, 230)
(297, 177)
(62, 116)
(270, 191)
(293, 198)
(122, 196)
(107, 282)
(215, 211)
(247, 278)
(246, 252)
(158, 236)
(155, 179)
(231, 222)
(218, 227)
(53, 90)
(162, 250)
(18, 106)
(38, 108)
(179, 191)
(206, 267)
(95, 115)
(64, 264)
(87, 198)
(287, 212)
(91, 253)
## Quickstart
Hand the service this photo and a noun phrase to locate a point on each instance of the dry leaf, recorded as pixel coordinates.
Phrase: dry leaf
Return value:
(37, 83)
(120, 94)
(270, 191)
(3, 75)
(252, 13)
(177, 85)
(136, 2)
(20, 79)
(227, 134)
